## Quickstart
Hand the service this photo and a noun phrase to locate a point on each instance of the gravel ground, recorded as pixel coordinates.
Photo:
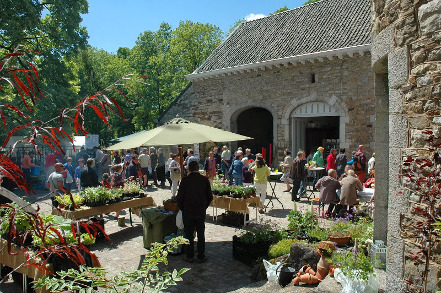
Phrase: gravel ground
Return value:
(221, 273)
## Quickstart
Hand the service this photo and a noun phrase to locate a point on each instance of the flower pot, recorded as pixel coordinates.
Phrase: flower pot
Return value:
(340, 241)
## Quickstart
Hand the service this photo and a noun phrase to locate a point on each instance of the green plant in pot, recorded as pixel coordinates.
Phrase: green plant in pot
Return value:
(339, 232)
(354, 264)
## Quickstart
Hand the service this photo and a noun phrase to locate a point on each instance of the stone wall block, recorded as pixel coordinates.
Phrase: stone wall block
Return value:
(419, 122)
(398, 67)
(418, 56)
(420, 69)
(429, 16)
(417, 138)
(434, 55)
(397, 131)
(383, 44)
(395, 101)
(395, 259)
(436, 90)
(424, 80)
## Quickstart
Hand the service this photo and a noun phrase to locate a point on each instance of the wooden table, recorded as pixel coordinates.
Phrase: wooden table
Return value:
(237, 205)
(14, 261)
(87, 212)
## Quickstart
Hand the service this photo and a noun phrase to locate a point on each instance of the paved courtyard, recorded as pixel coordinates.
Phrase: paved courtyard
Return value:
(221, 273)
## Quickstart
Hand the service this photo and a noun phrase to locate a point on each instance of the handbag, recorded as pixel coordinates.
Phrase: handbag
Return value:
(179, 220)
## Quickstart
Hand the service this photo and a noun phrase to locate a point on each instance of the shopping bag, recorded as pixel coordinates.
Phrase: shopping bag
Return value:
(179, 220)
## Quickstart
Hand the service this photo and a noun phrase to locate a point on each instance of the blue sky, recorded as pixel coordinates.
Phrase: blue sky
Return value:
(114, 23)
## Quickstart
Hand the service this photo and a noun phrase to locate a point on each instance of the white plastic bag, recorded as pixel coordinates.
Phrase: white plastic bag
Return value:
(355, 285)
(271, 270)
(179, 220)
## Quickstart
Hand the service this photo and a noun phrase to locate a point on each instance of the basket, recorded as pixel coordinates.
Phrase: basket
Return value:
(171, 206)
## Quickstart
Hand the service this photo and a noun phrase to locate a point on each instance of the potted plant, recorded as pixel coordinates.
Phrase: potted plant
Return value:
(357, 268)
(339, 232)
(254, 243)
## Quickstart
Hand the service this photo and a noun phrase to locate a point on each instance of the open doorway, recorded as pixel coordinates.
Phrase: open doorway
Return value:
(258, 124)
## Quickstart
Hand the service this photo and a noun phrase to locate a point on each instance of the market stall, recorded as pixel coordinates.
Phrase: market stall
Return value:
(238, 205)
(86, 212)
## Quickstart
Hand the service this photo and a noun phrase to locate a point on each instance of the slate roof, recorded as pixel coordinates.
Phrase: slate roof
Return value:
(316, 27)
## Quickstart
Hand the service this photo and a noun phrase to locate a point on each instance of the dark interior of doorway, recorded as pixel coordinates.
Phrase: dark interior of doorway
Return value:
(258, 124)
(326, 128)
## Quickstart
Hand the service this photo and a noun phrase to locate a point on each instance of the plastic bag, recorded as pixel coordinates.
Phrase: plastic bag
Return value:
(355, 285)
(179, 220)
(271, 270)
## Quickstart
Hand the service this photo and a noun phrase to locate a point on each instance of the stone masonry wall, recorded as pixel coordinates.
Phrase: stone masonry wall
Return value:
(406, 46)
(346, 83)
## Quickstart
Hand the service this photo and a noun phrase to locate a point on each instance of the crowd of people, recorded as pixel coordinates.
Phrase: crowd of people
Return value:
(337, 179)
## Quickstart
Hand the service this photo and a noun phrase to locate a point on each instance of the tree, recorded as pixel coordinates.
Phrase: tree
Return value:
(53, 31)
(93, 70)
(43, 26)
(166, 56)
(310, 1)
(284, 8)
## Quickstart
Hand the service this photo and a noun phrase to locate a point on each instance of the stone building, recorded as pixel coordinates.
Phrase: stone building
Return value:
(406, 59)
(297, 79)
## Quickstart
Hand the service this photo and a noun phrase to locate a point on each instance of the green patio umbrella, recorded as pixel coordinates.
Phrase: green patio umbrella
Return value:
(178, 131)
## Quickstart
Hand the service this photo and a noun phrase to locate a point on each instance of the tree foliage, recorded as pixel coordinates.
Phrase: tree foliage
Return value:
(310, 1)
(284, 8)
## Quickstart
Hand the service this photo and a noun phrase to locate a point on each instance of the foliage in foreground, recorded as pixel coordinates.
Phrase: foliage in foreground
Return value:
(146, 279)
(354, 264)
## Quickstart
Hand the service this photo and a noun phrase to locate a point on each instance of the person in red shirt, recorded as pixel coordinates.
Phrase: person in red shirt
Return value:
(26, 166)
(50, 164)
(330, 160)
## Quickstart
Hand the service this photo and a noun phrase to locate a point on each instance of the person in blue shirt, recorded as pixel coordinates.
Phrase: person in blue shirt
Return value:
(236, 167)
(78, 171)
(70, 169)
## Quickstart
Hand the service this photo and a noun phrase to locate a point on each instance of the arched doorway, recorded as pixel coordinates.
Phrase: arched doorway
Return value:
(258, 124)
(316, 124)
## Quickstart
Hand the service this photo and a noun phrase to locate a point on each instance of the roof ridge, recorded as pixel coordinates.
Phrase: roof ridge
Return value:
(285, 11)
(328, 25)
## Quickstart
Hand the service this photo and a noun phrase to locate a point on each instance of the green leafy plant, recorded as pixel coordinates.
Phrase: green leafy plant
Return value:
(131, 187)
(59, 226)
(65, 199)
(302, 223)
(340, 228)
(263, 232)
(146, 279)
(280, 248)
(318, 233)
(362, 230)
(354, 264)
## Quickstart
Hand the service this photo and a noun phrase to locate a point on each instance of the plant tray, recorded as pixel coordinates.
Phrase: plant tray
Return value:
(235, 220)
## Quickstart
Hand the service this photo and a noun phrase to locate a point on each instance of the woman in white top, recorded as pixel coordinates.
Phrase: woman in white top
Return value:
(175, 174)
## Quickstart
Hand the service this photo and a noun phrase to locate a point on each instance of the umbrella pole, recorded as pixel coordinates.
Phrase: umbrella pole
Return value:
(181, 160)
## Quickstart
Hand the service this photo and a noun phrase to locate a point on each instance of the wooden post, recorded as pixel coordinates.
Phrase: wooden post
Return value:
(181, 160)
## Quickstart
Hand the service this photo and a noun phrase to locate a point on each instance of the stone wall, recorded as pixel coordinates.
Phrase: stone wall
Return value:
(345, 83)
(406, 52)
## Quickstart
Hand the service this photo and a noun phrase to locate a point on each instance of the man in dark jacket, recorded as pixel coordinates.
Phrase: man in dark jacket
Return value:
(194, 197)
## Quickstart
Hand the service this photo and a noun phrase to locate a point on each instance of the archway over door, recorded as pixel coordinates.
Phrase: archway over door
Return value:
(258, 124)
(316, 124)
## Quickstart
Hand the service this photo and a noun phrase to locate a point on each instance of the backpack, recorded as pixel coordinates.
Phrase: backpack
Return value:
(357, 163)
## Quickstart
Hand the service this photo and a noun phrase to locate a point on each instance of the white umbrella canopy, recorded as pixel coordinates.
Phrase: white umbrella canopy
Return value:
(178, 131)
